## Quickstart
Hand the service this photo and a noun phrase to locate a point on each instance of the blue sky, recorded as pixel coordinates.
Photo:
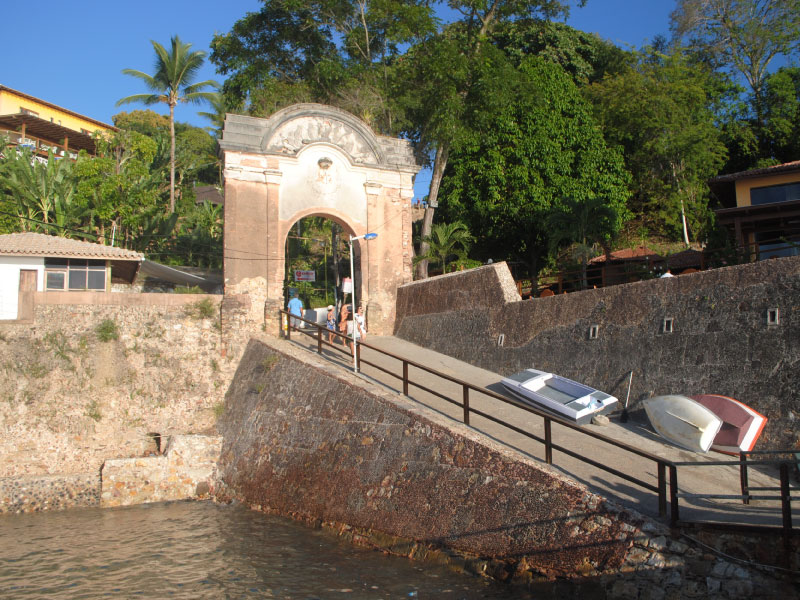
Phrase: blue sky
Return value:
(71, 54)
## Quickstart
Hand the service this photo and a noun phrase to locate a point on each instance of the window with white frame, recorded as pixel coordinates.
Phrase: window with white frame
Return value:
(74, 274)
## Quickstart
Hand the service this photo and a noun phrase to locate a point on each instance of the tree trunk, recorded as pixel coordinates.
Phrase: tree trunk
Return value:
(439, 165)
(171, 158)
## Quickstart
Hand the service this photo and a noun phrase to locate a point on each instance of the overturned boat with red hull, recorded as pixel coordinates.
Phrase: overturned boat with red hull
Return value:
(741, 425)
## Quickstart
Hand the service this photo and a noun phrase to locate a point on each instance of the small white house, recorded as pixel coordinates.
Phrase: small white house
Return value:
(38, 262)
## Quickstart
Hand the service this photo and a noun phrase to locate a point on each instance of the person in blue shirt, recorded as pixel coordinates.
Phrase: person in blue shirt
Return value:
(295, 307)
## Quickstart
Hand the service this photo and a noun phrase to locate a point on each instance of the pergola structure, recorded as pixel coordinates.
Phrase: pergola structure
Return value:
(43, 135)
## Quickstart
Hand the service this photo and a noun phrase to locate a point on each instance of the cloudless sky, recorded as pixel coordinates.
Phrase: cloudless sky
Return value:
(71, 53)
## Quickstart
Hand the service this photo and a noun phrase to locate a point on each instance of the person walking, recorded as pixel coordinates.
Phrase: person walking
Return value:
(295, 307)
(330, 323)
(345, 311)
(361, 324)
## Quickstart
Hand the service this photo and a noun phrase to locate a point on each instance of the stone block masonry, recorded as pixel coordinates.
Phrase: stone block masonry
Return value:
(187, 469)
(722, 340)
(70, 400)
(302, 438)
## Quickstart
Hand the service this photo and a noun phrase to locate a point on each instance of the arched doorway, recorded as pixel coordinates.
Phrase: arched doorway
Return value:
(312, 159)
(318, 267)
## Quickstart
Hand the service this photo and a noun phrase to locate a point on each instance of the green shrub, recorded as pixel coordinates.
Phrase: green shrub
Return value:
(183, 289)
(93, 411)
(107, 331)
(219, 408)
(202, 309)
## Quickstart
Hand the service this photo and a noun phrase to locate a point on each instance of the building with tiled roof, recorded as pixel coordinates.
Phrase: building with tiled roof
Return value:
(39, 262)
(761, 207)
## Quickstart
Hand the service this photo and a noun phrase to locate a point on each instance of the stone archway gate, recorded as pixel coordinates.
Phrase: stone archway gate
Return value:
(312, 159)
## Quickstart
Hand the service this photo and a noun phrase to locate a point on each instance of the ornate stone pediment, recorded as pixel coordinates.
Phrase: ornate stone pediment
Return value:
(292, 136)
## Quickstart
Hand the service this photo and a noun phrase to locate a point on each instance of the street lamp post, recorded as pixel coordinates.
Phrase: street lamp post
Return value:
(366, 236)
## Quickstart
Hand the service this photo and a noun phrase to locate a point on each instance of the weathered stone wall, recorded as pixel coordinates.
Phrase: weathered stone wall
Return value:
(34, 493)
(303, 439)
(69, 401)
(721, 341)
(187, 469)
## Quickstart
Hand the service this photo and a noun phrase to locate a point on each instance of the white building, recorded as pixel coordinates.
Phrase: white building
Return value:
(35, 262)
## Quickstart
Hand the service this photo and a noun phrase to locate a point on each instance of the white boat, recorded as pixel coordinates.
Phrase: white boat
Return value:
(559, 395)
(683, 421)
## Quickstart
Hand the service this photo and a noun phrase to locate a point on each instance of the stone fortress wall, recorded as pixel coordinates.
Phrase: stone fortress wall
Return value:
(303, 439)
(70, 401)
(721, 340)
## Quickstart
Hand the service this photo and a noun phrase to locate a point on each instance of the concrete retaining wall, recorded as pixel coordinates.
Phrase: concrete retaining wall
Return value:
(721, 341)
(304, 439)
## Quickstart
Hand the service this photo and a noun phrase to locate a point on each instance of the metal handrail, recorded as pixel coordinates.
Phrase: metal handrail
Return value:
(664, 466)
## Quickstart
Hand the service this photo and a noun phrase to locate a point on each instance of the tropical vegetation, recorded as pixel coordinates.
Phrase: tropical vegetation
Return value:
(546, 144)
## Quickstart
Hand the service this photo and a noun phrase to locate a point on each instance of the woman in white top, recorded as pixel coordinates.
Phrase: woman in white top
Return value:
(361, 331)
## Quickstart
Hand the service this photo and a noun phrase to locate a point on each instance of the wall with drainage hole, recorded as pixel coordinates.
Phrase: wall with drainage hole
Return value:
(733, 331)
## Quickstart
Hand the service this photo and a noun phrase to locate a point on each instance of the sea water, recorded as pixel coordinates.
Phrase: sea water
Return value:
(205, 550)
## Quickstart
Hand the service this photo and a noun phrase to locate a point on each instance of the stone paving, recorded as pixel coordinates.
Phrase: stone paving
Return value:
(694, 480)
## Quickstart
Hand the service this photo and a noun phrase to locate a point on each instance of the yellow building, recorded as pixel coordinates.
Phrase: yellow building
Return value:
(762, 208)
(43, 126)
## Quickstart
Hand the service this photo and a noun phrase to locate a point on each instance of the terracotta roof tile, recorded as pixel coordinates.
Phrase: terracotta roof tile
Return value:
(640, 252)
(40, 244)
(790, 166)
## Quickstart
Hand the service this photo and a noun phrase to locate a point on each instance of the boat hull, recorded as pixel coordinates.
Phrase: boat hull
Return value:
(741, 425)
(683, 421)
(559, 396)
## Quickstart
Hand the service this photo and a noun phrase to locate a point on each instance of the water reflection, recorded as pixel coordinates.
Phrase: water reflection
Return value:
(202, 550)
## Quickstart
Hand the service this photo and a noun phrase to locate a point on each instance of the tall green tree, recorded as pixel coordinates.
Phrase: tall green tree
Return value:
(436, 123)
(742, 36)
(782, 114)
(338, 52)
(661, 112)
(529, 142)
(175, 71)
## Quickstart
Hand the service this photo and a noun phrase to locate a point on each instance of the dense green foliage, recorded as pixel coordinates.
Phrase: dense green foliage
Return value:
(670, 142)
(531, 143)
(119, 194)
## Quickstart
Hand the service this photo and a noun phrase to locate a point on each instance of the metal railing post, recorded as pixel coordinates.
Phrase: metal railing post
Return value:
(743, 479)
(288, 327)
(548, 442)
(662, 489)
(405, 378)
(319, 339)
(786, 510)
(466, 404)
(673, 496)
(358, 354)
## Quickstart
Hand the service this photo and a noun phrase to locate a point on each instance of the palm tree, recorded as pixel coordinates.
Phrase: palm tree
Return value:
(217, 117)
(172, 83)
(446, 240)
